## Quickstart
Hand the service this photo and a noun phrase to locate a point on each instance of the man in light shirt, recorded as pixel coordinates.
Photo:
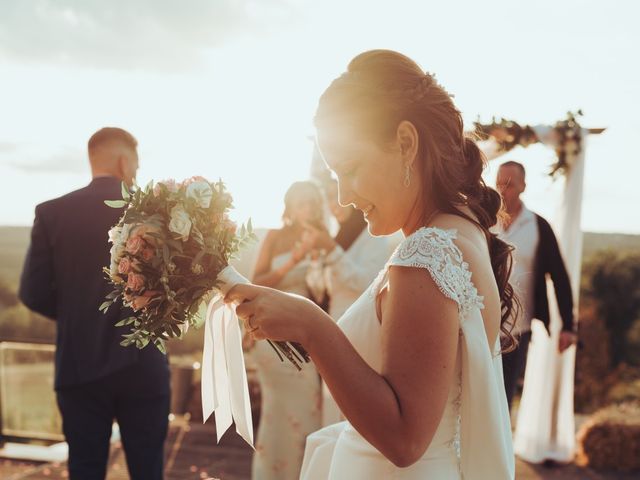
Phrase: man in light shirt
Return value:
(536, 257)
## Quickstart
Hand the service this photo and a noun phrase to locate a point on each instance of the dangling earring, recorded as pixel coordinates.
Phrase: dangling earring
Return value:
(407, 177)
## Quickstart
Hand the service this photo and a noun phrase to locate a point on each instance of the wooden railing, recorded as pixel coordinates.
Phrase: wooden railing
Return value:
(28, 406)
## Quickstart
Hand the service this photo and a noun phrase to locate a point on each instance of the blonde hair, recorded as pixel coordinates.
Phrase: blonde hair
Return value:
(303, 188)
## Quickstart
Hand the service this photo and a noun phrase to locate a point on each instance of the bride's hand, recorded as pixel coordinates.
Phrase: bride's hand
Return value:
(272, 314)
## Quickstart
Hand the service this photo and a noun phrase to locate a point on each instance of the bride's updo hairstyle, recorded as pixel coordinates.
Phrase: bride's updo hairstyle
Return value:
(382, 88)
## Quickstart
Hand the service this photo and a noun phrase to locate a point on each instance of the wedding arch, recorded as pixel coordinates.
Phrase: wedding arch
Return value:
(545, 427)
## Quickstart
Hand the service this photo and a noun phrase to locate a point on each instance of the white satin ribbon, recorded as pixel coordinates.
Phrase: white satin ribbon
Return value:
(225, 390)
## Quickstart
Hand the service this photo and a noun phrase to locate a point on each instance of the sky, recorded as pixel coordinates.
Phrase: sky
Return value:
(227, 88)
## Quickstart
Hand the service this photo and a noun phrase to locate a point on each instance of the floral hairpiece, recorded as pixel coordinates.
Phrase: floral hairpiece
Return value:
(424, 86)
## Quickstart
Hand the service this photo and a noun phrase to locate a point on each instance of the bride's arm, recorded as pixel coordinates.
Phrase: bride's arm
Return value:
(399, 410)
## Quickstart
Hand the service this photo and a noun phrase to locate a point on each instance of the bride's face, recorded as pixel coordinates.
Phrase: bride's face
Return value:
(370, 178)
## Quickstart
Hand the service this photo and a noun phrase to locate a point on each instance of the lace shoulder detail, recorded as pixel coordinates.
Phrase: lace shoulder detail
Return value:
(434, 249)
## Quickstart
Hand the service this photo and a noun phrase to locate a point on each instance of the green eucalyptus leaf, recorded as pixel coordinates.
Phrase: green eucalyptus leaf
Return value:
(176, 330)
(159, 343)
(125, 191)
(104, 306)
(115, 203)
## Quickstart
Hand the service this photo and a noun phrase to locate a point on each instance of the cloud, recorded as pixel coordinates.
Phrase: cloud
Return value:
(7, 147)
(30, 159)
(159, 35)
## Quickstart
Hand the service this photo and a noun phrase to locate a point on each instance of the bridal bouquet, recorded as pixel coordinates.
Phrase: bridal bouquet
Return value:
(170, 252)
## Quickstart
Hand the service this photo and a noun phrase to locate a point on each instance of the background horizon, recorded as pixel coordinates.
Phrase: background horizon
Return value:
(229, 90)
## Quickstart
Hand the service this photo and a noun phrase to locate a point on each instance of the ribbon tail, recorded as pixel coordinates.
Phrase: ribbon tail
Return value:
(239, 391)
(225, 390)
(207, 386)
(223, 414)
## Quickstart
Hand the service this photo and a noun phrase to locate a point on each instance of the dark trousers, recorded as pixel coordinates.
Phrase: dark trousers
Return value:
(514, 364)
(142, 414)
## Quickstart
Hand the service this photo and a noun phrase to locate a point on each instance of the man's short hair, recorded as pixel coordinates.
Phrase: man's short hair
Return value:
(111, 134)
(518, 165)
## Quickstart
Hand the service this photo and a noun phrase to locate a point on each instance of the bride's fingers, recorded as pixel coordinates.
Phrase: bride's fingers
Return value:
(258, 335)
(241, 293)
(246, 310)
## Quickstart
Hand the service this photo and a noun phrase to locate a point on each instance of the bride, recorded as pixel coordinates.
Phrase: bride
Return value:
(414, 364)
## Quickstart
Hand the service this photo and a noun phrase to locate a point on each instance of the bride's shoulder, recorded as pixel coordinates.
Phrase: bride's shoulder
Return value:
(448, 230)
(441, 251)
(469, 238)
(450, 240)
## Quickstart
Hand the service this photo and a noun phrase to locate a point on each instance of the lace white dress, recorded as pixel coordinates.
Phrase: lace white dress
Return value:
(473, 439)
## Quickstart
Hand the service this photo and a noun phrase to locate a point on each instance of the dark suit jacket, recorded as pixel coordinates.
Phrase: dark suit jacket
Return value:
(62, 279)
(548, 261)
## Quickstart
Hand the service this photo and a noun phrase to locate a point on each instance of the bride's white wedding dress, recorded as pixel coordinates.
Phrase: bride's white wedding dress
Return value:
(473, 439)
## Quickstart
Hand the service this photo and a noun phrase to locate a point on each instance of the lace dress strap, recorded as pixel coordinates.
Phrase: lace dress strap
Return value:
(433, 249)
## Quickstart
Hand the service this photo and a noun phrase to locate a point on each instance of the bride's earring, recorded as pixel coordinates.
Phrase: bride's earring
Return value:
(407, 177)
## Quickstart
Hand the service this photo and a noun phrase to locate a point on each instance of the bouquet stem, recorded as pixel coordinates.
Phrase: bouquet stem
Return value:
(294, 352)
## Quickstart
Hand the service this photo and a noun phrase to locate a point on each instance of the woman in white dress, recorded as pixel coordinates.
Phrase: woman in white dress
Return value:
(290, 398)
(414, 364)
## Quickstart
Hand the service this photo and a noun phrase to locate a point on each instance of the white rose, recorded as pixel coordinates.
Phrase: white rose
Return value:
(114, 234)
(116, 252)
(124, 233)
(201, 192)
(180, 222)
(119, 235)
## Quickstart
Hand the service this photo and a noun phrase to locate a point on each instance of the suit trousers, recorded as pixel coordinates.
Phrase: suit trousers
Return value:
(514, 364)
(142, 413)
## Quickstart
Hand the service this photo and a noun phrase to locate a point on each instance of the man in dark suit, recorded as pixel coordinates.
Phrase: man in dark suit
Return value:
(537, 257)
(96, 379)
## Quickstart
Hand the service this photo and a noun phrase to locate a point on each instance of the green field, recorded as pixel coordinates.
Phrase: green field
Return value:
(19, 324)
(14, 242)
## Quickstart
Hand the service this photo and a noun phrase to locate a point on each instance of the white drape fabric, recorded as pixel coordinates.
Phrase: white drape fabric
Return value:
(545, 427)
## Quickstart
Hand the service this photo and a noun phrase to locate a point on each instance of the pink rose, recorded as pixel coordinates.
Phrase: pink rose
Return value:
(141, 301)
(196, 178)
(170, 184)
(145, 230)
(135, 244)
(125, 265)
(148, 253)
(135, 281)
